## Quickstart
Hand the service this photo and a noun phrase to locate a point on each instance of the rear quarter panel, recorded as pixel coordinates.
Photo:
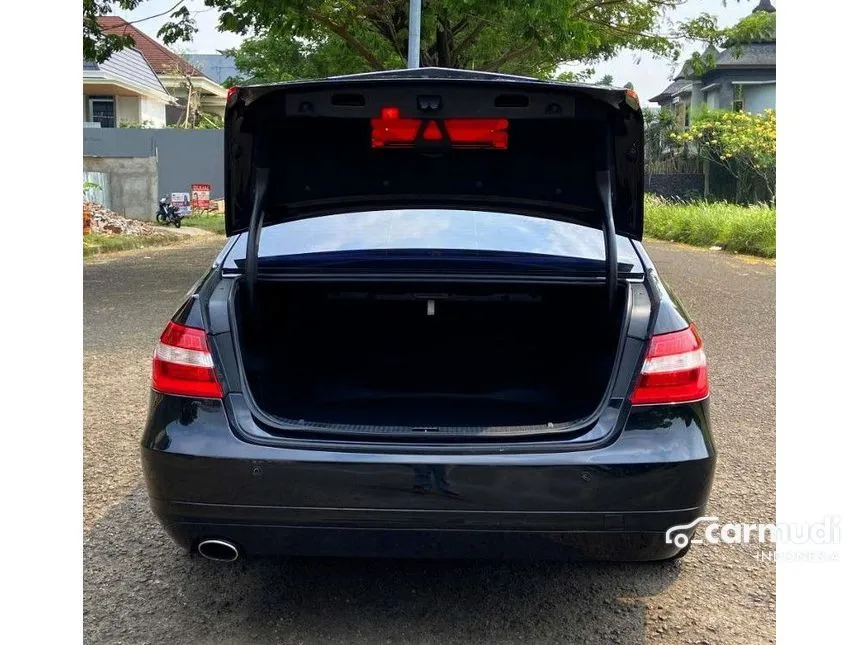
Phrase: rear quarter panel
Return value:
(671, 315)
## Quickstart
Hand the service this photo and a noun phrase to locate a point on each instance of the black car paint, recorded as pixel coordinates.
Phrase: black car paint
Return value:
(327, 500)
(671, 315)
(215, 470)
(534, 499)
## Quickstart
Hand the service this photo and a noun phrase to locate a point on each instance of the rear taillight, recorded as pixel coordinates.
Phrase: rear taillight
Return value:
(182, 363)
(675, 370)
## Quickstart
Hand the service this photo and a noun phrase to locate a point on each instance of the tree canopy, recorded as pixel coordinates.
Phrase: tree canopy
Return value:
(759, 27)
(98, 46)
(310, 38)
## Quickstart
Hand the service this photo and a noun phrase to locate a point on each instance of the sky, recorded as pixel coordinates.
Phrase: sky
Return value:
(648, 74)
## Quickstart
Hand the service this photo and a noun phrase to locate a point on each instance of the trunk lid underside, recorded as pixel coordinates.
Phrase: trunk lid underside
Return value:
(312, 140)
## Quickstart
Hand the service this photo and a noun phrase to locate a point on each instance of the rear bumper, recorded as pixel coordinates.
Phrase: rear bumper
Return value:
(611, 503)
(299, 540)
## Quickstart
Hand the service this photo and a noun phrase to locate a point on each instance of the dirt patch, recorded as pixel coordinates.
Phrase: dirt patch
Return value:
(116, 391)
(109, 232)
(165, 241)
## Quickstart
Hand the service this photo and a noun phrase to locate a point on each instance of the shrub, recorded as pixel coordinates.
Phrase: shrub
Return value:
(742, 143)
(741, 229)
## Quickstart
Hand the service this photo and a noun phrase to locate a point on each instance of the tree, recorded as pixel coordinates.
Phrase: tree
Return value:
(192, 117)
(742, 143)
(759, 27)
(606, 80)
(271, 57)
(531, 37)
(661, 142)
(98, 46)
(493, 35)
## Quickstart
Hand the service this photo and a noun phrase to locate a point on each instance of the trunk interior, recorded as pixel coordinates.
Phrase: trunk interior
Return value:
(419, 356)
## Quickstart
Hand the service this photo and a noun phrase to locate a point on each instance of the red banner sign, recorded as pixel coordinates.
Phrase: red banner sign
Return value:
(200, 196)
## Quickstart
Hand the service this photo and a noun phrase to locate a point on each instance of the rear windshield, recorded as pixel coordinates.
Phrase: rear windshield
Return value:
(434, 229)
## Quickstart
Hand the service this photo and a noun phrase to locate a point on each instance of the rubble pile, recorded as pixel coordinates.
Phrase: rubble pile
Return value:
(104, 220)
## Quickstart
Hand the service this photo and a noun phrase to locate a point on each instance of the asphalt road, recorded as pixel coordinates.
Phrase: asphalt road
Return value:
(139, 587)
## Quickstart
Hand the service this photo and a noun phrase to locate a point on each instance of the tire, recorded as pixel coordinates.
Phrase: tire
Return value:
(159, 218)
(177, 222)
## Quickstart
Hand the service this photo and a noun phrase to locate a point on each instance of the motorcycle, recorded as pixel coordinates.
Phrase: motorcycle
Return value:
(167, 213)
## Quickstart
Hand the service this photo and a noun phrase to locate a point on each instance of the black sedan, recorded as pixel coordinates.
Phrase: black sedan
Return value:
(433, 332)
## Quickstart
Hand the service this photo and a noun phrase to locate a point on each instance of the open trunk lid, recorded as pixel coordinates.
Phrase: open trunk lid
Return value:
(434, 138)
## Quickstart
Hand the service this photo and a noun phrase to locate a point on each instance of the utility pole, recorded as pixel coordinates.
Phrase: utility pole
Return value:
(414, 34)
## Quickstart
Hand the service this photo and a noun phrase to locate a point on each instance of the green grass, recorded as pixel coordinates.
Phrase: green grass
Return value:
(740, 229)
(214, 223)
(99, 243)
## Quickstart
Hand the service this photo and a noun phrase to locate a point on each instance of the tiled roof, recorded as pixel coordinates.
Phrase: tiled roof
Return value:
(126, 66)
(752, 55)
(674, 88)
(765, 5)
(162, 60)
(687, 72)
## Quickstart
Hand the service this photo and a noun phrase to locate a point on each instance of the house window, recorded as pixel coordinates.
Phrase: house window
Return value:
(103, 111)
(738, 99)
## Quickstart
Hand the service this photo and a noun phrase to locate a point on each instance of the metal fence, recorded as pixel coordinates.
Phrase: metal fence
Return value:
(184, 157)
(676, 178)
(674, 165)
(97, 188)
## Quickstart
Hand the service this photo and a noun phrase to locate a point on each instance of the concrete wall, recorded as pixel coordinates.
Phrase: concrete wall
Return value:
(758, 98)
(127, 109)
(184, 157)
(152, 112)
(712, 98)
(188, 157)
(697, 98)
(726, 91)
(133, 184)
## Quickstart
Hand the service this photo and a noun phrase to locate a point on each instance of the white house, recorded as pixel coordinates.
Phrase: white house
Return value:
(124, 89)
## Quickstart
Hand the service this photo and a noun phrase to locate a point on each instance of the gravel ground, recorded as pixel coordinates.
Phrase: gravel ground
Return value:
(128, 297)
(139, 588)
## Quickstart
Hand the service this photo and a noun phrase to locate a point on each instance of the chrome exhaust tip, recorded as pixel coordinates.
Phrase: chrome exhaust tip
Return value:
(219, 550)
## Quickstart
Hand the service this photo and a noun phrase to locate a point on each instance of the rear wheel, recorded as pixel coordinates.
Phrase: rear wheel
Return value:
(177, 223)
